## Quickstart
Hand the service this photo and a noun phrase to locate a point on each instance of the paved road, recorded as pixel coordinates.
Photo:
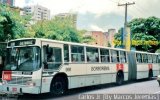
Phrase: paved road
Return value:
(139, 87)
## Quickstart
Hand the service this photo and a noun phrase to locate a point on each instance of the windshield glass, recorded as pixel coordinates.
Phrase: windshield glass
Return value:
(23, 59)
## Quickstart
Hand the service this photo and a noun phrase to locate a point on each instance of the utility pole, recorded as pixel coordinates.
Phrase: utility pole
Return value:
(125, 23)
(126, 5)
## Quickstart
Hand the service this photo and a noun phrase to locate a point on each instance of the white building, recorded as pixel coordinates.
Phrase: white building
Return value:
(37, 12)
(73, 16)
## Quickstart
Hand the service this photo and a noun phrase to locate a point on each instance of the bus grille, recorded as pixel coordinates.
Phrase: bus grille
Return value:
(19, 80)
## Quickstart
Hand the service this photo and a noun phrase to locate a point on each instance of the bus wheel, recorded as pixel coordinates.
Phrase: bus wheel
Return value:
(150, 74)
(119, 78)
(58, 86)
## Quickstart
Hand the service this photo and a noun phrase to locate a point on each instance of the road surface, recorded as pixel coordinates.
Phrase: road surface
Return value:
(90, 93)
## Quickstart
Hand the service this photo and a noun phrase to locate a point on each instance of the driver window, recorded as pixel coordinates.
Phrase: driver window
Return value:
(52, 57)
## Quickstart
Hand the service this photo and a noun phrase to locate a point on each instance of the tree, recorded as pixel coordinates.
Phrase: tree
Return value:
(117, 40)
(11, 24)
(143, 42)
(145, 33)
(58, 29)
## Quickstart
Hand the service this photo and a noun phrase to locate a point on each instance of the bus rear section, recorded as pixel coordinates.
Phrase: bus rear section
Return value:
(143, 65)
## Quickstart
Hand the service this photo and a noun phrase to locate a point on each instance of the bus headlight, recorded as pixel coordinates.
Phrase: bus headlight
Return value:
(30, 83)
(4, 82)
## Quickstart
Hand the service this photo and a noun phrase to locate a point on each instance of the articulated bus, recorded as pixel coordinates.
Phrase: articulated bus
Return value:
(38, 66)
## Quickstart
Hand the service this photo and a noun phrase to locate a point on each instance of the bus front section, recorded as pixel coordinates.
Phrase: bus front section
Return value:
(22, 71)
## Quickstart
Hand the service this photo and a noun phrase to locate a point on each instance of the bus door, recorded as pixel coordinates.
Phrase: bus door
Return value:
(52, 55)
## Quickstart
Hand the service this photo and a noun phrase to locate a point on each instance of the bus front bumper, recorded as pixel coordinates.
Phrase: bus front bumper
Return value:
(18, 90)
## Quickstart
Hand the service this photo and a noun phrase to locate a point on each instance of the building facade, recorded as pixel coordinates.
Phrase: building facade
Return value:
(9, 2)
(102, 38)
(98, 36)
(111, 33)
(73, 16)
(37, 12)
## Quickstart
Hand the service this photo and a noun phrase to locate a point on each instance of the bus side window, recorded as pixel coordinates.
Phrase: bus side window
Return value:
(77, 53)
(115, 56)
(123, 57)
(104, 55)
(92, 54)
(74, 58)
(52, 57)
(158, 58)
(66, 53)
(139, 58)
(149, 58)
(145, 58)
(154, 59)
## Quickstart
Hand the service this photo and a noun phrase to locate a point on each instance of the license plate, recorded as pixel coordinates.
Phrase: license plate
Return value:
(14, 89)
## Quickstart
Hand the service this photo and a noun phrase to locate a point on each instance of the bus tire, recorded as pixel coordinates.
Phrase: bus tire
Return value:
(150, 74)
(58, 86)
(119, 78)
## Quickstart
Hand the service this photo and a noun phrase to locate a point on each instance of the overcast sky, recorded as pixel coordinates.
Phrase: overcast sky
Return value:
(98, 15)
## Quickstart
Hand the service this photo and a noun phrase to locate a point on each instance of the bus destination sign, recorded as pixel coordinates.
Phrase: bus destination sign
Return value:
(21, 42)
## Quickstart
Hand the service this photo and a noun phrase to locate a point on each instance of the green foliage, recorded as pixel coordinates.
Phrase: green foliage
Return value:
(2, 49)
(109, 44)
(88, 39)
(11, 24)
(117, 40)
(58, 29)
(145, 30)
(141, 37)
(117, 36)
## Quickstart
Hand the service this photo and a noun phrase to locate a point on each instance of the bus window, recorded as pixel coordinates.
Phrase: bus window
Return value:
(92, 54)
(154, 59)
(123, 57)
(104, 55)
(66, 53)
(115, 56)
(149, 58)
(145, 58)
(158, 58)
(77, 53)
(53, 58)
(139, 57)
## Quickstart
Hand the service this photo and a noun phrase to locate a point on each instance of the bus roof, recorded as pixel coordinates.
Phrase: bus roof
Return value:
(79, 44)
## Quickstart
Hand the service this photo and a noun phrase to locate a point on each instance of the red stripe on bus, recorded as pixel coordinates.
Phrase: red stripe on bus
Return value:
(120, 67)
(150, 66)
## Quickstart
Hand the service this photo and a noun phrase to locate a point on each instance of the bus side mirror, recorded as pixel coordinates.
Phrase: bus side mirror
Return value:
(45, 65)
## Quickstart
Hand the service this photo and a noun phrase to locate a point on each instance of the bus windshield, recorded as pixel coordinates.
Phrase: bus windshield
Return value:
(23, 59)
